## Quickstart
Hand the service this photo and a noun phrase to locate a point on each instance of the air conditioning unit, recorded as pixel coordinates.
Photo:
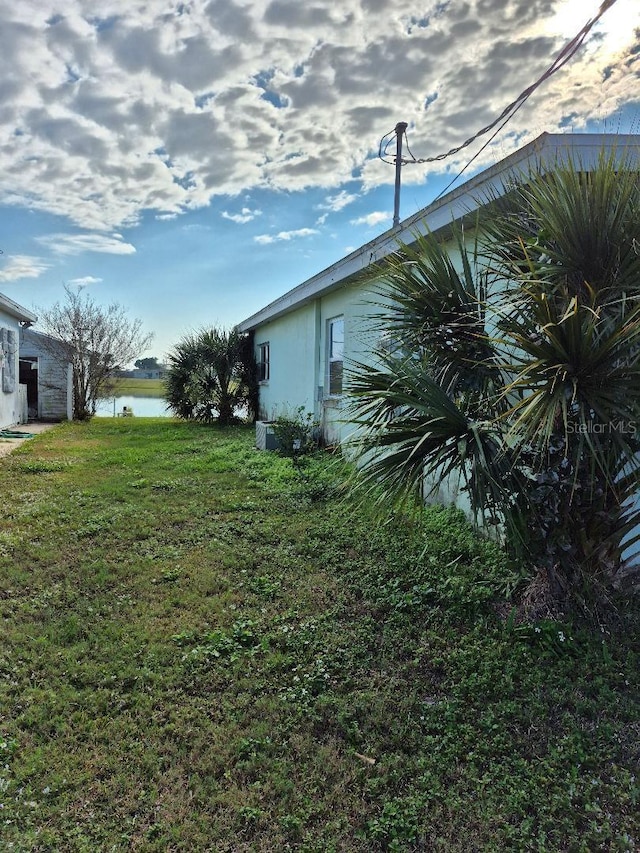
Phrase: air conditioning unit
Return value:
(266, 439)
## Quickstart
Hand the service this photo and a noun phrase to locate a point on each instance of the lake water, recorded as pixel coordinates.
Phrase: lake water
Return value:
(143, 407)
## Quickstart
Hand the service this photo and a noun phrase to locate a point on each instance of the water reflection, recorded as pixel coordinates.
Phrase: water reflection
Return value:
(142, 407)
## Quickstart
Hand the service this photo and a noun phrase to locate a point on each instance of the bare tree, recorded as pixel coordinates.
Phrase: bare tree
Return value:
(97, 340)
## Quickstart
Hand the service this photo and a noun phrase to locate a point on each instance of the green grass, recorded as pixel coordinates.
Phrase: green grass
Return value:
(140, 387)
(205, 651)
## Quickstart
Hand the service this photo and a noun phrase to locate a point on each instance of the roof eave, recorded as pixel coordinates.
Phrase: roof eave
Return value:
(460, 202)
(23, 315)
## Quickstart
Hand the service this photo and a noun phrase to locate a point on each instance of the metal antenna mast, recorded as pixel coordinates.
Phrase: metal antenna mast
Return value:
(400, 131)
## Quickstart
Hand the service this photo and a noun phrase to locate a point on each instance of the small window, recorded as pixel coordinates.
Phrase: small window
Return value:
(263, 362)
(336, 355)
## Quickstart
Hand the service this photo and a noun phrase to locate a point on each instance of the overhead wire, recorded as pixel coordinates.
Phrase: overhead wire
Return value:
(478, 153)
(565, 55)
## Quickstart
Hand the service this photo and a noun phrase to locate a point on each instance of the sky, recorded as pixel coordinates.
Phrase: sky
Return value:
(192, 161)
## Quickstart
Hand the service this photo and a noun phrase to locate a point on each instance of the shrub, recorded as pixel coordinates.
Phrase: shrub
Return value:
(297, 434)
(519, 373)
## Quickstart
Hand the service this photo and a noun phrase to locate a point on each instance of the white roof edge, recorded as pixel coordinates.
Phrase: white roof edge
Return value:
(440, 214)
(38, 334)
(10, 307)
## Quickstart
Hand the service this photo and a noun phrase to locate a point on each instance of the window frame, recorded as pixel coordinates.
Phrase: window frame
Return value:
(264, 361)
(335, 359)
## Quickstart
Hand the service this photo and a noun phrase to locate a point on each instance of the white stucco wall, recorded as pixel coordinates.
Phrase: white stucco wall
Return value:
(10, 411)
(298, 350)
(292, 363)
(299, 346)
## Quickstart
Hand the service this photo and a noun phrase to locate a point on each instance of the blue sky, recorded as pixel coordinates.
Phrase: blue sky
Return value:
(194, 160)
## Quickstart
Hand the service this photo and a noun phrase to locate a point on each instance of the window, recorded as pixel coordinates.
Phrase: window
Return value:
(263, 362)
(336, 355)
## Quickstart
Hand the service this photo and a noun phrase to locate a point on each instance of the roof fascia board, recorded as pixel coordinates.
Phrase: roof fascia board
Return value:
(13, 309)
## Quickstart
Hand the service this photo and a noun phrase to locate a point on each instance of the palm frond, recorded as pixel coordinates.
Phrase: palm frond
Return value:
(428, 302)
(410, 429)
(518, 368)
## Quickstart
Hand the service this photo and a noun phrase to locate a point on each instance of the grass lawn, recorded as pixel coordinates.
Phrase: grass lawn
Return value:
(203, 651)
(140, 387)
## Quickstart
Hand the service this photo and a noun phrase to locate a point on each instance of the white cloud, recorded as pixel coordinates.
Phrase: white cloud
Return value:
(374, 218)
(245, 215)
(160, 107)
(265, 239)
(85, 281)
(76, 244)
(194, 227)
(337, 202)
(21, 266)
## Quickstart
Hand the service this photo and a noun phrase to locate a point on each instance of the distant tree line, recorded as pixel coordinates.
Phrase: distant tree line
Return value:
(148, 364)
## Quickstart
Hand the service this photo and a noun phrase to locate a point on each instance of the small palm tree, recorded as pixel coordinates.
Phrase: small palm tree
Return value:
(519, 372)
(211, 376)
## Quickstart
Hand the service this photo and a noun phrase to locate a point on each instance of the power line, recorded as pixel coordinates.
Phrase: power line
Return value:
(565, 55)
(478, 153)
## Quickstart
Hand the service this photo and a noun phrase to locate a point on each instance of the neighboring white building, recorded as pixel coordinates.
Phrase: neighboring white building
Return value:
(13, 401)
(47, 374)
(303, 339)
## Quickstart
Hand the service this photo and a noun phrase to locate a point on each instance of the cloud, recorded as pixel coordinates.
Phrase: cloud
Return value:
(85, 281)
(195, 227)
(265, 239)
(22, 266)
(245, 215)
(338, 202)
(76, 244)
(155, 107)
(374, 218)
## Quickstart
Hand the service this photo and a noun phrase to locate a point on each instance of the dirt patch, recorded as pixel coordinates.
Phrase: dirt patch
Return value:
(8, 445)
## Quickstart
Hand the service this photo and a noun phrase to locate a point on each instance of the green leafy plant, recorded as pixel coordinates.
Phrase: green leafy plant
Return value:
(398, 824)
(519, 376)
(297, 434)
(548, 635)
(229, 646)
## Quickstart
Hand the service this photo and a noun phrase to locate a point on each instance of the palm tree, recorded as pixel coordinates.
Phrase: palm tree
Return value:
(519, 372)
(211, 375)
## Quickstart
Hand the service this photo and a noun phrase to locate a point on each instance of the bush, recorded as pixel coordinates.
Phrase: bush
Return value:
(212, 375)
(517, 372)
(297, 434)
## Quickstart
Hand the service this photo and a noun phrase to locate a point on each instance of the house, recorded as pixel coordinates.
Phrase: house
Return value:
(13, 401)
(47, 373)
(304, 338)
(159, 372)
(154, 373)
